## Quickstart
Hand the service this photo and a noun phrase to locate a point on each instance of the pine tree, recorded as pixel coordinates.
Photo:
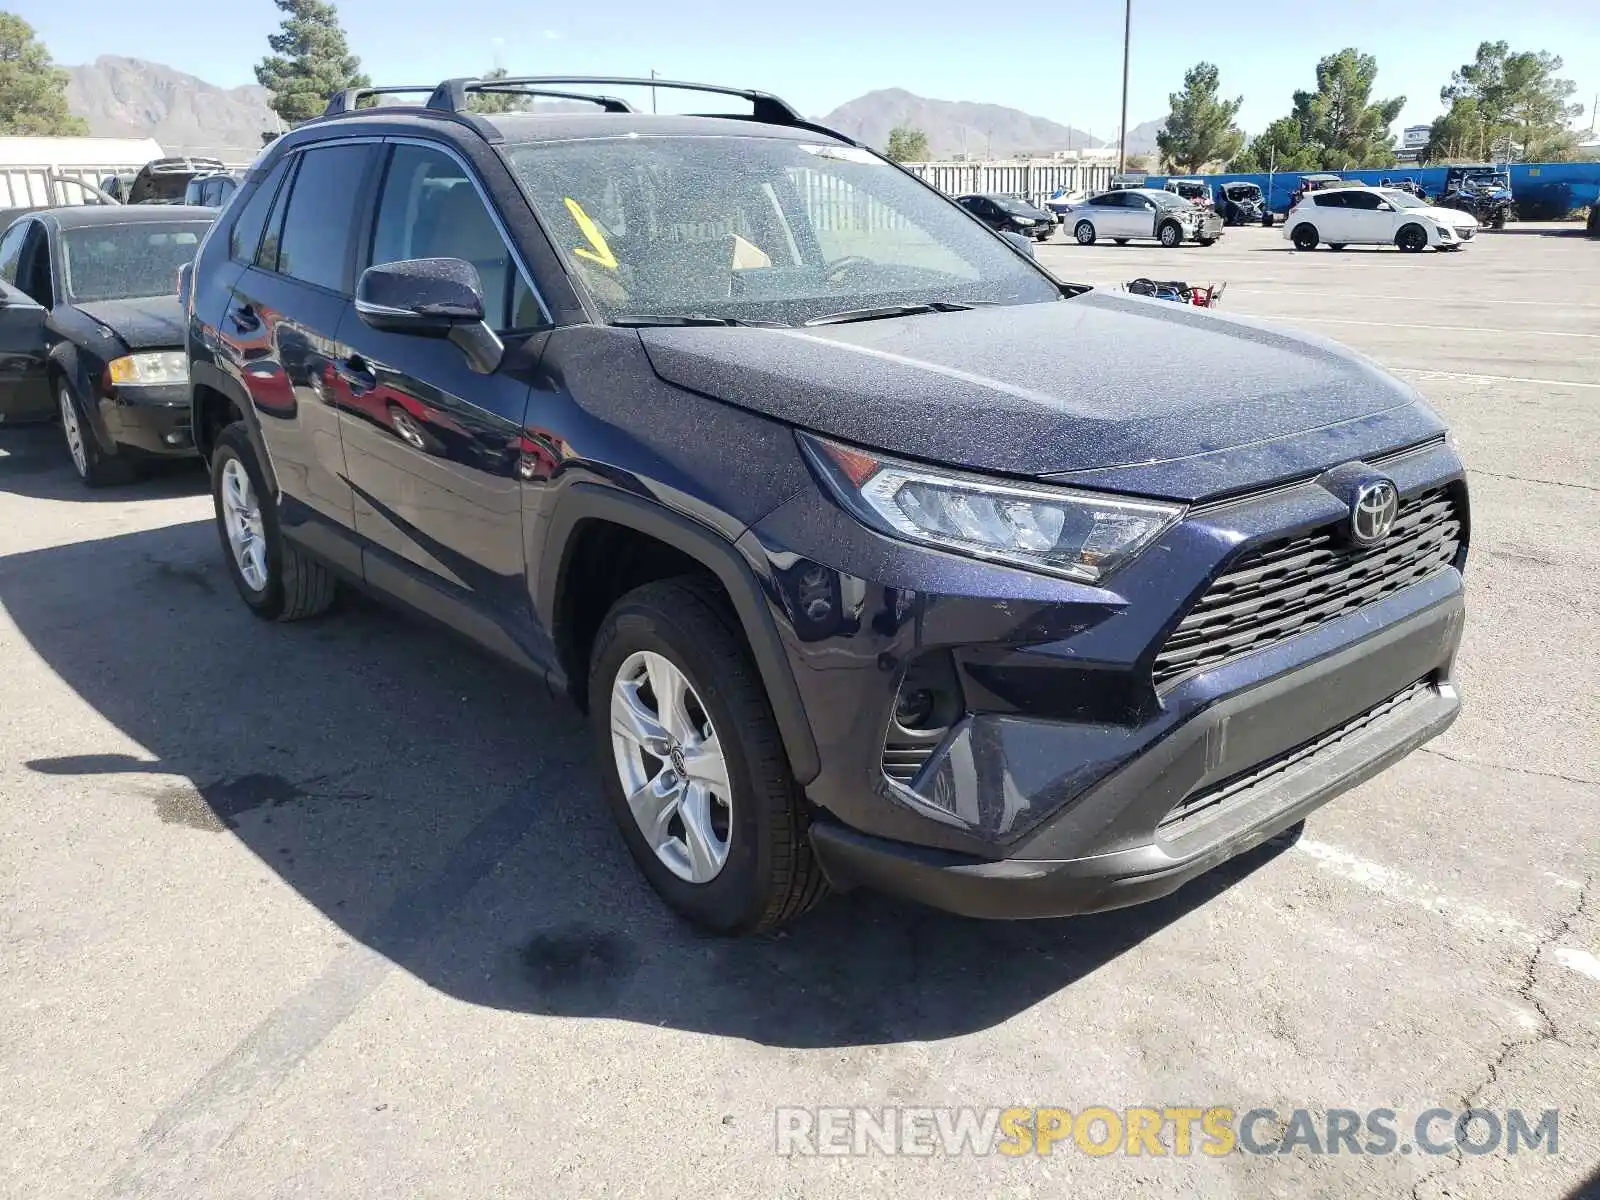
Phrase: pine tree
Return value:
(33, 90)
(1200, 127)
(310, 61)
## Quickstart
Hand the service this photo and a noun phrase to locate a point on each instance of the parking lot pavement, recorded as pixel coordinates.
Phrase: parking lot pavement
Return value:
(334, 910)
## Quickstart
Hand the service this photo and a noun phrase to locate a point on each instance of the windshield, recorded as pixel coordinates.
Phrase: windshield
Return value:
(118, 262)
(1489, 181)
(1401, 199)
(1242, 191)
(1169, 200)
(760, 229)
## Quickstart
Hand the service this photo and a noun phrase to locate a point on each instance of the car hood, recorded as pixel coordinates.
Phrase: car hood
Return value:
(1102, 380)
(149, 321)
(1446, 216)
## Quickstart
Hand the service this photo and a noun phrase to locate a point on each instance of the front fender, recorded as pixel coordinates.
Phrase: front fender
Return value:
(71, 366)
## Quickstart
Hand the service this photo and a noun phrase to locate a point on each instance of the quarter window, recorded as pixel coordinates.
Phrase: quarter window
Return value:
(430, 208)
(245, 236)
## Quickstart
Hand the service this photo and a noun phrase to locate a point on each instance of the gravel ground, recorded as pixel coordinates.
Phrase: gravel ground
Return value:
(334, 909)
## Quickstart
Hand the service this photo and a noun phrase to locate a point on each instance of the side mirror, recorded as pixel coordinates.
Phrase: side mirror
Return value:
(433, 298)
(1021, 243)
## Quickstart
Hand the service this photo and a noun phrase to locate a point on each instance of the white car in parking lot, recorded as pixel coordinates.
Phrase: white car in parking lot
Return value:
(1375, 216)
(1127, 213)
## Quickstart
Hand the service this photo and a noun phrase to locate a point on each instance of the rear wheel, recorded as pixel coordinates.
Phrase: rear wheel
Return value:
(1305, 236)
(1084, 233)
(1169, 234)
(1412, 239)
(695, 772)
(274, 577)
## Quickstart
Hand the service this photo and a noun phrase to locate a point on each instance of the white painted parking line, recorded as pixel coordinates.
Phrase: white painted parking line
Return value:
(1447, 328)
(1470, 378)
(1485, 301)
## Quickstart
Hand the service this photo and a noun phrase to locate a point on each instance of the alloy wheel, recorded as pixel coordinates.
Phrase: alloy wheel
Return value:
(241, 519)
(672, 767)
(74, 431)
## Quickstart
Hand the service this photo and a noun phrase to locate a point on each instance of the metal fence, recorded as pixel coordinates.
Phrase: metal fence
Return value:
(1035, 180)
(32, 186)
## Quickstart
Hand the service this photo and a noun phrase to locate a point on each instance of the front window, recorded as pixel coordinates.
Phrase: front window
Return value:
(760, 229)
(120, 262)
(1402, 199)
(1170, 200)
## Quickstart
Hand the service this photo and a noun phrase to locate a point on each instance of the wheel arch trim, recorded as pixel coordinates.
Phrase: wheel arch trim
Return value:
(203, 374)
(580, 502)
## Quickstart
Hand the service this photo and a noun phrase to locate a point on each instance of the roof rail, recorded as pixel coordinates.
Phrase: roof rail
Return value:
(457, 92)
(350, 99)
(452, 94)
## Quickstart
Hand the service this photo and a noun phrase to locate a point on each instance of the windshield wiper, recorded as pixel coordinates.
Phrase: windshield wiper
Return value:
(889, 310)
(647, 320)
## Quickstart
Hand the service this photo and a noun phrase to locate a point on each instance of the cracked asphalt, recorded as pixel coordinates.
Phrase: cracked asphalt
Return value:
(334, 910)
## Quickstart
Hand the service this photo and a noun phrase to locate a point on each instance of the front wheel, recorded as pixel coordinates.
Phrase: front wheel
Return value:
(695, 771)
(1084, 233)
(1413, 239)
(274, 577)
(94, 466)
(1170, 235)
(1304, 237)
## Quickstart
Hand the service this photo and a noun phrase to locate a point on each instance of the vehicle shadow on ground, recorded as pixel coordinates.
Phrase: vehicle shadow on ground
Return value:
(1573, 231)
(34, 463)
(444, 810)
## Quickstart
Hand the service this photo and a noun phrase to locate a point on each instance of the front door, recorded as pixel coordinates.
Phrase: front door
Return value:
(434, 447)
(24, 388)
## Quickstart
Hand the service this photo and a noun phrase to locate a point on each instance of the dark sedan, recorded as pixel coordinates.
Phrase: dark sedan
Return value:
(1009, 214)
(91, 331)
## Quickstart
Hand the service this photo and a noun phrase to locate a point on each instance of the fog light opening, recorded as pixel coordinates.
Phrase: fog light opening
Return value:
(928, 703)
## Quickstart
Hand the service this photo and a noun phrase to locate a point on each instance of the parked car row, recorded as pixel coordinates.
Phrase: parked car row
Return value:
(775, 488)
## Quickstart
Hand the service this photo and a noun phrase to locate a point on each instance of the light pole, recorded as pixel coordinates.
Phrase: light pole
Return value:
(1127, 36)
(653, 74)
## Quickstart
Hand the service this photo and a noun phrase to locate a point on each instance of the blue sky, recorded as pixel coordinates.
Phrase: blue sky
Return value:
(1062, 62)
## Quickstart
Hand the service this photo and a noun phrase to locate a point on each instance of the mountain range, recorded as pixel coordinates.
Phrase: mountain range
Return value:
(131, 97)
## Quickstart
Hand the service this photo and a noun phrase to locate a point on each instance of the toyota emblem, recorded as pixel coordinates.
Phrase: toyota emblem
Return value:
(1372, 512)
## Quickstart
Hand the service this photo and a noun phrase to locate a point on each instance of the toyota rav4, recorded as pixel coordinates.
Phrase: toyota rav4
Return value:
(870, 553)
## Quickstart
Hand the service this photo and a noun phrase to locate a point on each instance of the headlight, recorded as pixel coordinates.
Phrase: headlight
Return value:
(139, 370)
(1023, 220)
(1079, 535)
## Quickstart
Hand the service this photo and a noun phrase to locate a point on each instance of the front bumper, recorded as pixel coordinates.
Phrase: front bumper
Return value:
(1203, 795)
(151, 420)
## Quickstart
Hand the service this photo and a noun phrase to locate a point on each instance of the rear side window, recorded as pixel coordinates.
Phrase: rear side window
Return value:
(246, 233)
(429, 208)
(313, 244)
(1366, 200)
(1328, 199)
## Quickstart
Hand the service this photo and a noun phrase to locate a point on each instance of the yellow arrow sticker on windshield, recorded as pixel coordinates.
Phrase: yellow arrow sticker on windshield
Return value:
(602, 250)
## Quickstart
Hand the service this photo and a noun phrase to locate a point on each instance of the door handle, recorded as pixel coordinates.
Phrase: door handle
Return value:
(357, 373)
(245, 319)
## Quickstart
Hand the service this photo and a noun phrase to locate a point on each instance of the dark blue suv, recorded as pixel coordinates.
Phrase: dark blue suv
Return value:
(875, 554)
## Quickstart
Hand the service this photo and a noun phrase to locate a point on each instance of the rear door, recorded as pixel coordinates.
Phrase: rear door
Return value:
(1332, 219)
(24, 389)
(281, 328)
(433, 447)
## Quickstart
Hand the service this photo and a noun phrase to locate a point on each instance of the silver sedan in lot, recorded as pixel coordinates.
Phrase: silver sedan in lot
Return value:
(1141, 213)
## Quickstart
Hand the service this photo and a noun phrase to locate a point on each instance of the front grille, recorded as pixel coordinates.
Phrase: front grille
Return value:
(1203, 806)
(1289, 586)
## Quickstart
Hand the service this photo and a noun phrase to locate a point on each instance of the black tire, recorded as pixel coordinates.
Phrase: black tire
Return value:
(1499, 221)
(297, 585)
(1305, 236)
(1170, 235)
(1120, 241)
(1413, 239)
(1084, 232)
(94, 466)
(770, 875)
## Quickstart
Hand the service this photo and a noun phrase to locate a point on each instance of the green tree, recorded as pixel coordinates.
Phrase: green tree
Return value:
(1200, 127)
(310, 60)
(33, 90)
(1342, 118)
(1282, 146)
(907, 144)
(497, 102)
(1504, 97)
